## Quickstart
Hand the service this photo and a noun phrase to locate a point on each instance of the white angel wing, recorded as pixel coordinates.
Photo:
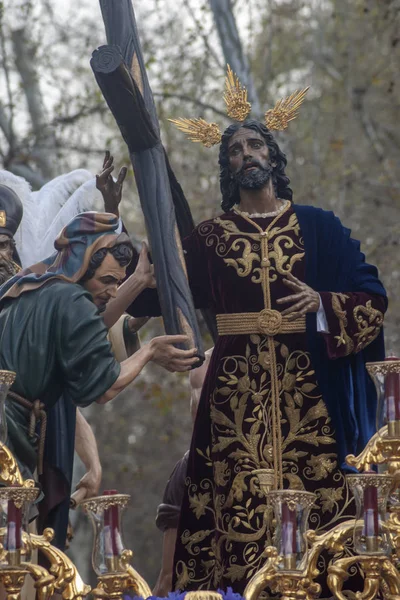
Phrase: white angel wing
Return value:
(50, 199)
(86, 197)
(48, 210)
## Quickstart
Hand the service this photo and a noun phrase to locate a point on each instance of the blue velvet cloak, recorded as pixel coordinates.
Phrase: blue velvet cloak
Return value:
(334, 263)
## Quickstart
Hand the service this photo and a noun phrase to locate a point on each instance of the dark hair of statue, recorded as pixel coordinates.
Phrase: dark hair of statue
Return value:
(230, 189)
(123, 254)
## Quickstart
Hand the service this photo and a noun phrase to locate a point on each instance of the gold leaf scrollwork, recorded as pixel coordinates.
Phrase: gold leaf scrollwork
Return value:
(369, 322)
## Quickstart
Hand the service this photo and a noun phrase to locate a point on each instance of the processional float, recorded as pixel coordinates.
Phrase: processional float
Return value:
(372, 538)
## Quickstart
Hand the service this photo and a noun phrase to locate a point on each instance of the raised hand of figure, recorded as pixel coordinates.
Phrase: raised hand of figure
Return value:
(173, 359)
(305, 299)
(144, 269)
(111, 190)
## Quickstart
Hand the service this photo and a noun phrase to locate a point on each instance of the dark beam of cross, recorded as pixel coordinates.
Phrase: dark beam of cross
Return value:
(120, 73)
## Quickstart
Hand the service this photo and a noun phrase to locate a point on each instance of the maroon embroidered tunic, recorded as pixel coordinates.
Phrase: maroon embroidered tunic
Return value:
(261, 406)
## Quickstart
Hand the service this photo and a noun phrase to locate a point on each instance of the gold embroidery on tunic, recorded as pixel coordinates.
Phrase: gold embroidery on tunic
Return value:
(343, 338)
(369, 322)
(234, 496)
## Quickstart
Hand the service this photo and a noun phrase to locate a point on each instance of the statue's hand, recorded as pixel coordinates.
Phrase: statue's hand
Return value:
(111, 190)
(144, 269)
(304, 300)
(90, 482)
(173, 359)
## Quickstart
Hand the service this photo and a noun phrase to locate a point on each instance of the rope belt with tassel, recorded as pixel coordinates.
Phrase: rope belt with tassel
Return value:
(37, 412)
(267, 322)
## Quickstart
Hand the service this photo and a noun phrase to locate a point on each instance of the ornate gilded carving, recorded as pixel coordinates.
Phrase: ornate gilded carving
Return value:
(67, 582)
(9, 470)
(100, 503)
(306, 499)
(20, 495)
(378, 570)
(383, 367)
(111, 586)
(13, 579)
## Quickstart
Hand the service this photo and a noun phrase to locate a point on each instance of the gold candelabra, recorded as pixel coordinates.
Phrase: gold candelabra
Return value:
(291, 570)
(291, 564)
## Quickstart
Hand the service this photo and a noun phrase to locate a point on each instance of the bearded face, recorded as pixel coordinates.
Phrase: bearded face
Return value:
(8, 268)
(253, 175)
(249, 160)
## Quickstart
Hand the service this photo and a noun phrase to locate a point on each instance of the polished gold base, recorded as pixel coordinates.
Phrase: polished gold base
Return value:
(393, 429)
(111, 586)
(13, 579)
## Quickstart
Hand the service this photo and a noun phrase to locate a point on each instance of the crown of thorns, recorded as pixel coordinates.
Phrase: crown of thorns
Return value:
(238, 108)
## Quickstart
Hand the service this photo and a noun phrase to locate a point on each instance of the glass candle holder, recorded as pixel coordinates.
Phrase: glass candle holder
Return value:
(6, 380)
(15, 505)
(105, 514)
(386, 377)
(292, 509)
(371, 491)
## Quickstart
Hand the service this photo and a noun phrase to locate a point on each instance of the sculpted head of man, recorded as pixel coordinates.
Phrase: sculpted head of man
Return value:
(106, 271)
(10, 218)
(250, 158)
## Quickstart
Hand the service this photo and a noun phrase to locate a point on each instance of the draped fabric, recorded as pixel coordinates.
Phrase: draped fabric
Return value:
(53, 337)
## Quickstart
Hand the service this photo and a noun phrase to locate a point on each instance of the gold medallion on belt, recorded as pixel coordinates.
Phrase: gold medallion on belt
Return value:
(269, 321)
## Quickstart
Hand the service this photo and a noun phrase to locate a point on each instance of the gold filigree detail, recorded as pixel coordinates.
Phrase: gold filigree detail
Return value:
(378, 572)
(285, 110)
(100, 503)
(383, 367)
(9, 470)
(343, 338)
(13, 579)
(199, 130)
(235, 97)
(19, 495)
(369, 322)
(7, 377)
(292, 498)
(364, 480)
(3, 218)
